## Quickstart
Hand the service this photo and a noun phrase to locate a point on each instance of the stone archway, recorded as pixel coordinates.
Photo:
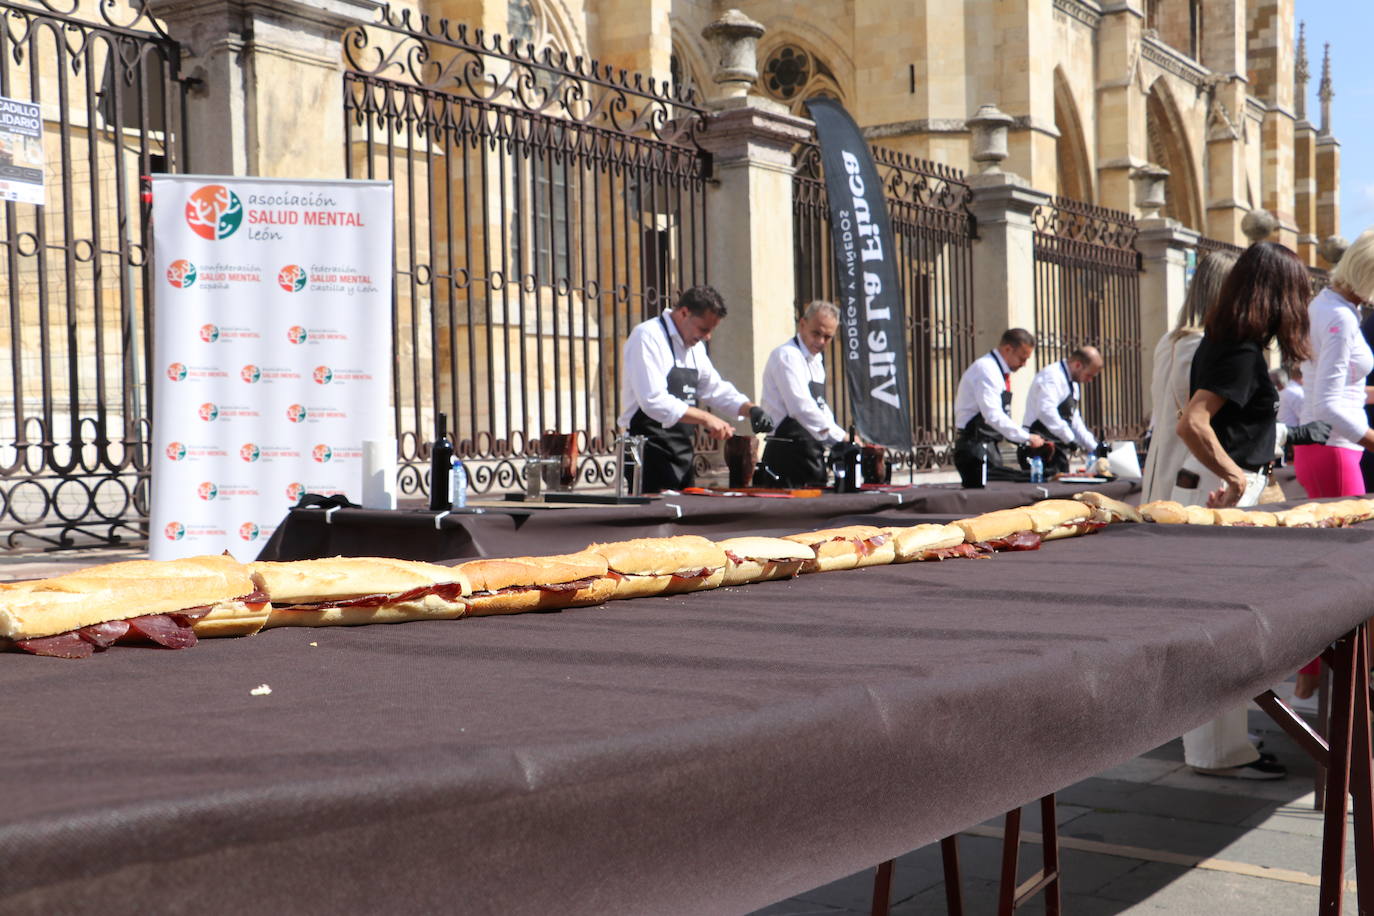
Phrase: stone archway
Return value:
(1169, 147)
(1073, 165)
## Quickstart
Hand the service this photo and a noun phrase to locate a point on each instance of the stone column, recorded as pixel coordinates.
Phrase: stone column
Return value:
(749, 210)
(1164, 246)
(1122, 144)
(269, 94)
(1003, 254)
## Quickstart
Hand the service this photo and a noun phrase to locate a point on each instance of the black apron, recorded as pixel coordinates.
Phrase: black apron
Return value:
(1058, 463)
(977, 444)
(668, 450)
(793, 457)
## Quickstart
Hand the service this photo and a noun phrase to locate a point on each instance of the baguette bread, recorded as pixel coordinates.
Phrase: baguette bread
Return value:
(641, 567)
(849, 547)
(1111, 510)
(511, 586)
(760, 559)
(71, 615)
(1064, 518)
(1164, 512)
(1199, 515)
(1243, 518)
(925, 542)
(991, 526)
(346, 591)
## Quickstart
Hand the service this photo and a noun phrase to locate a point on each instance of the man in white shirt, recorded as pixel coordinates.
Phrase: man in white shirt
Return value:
(981, 412)
(665, 374)
(1291, 398)
(794, 399)
(1053, 406)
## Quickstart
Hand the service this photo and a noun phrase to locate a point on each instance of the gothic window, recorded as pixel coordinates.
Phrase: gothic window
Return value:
(792, 75)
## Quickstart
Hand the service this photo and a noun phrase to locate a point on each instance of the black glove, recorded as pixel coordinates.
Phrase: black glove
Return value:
(758, 420)
(1104, 450)
(1314, 433)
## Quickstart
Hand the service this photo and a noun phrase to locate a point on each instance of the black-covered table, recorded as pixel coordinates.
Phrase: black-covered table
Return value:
(517, 530)
(702, 753)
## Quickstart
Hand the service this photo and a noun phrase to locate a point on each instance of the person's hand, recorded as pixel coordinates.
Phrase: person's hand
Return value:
(1314, 433)
(1036, 441)
(717, 428)
(1228, 494)
(759, 421)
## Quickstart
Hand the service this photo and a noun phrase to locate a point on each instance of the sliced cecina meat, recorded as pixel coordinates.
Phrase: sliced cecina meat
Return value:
(103, 635)
(62, 645)
(162, 629)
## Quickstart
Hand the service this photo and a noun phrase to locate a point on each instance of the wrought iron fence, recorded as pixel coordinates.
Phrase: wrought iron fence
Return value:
(928, 205)
(74, 416)
(1087, 291)
(544, 206)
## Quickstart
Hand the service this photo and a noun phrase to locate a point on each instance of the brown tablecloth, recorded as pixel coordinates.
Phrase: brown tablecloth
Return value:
(704, 753)
(521, 531)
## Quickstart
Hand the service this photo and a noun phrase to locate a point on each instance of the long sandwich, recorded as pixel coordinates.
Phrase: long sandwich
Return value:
(761, 559)
(510, 586)
(1108, 509)
(169, 603)
(662, 566)
(928, 542)
(1005, 529)
(849, 547)
(345, 591)
(1064, 518)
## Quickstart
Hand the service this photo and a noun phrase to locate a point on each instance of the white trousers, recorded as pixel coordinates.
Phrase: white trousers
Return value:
(1225, 741)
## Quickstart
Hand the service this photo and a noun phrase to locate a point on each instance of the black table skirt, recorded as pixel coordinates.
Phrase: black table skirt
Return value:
(703, 753)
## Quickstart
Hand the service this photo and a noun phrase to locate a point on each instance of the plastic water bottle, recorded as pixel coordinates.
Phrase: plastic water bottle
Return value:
(1037, 469)
(460, 484)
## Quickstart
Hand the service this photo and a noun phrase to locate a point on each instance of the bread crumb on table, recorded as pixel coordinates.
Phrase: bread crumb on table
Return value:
(261, 690)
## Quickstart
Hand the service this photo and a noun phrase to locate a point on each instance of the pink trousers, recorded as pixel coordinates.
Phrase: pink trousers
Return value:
(1327, 470)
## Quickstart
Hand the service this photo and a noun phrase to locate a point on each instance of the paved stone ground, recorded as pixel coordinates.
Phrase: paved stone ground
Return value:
(1148, 836)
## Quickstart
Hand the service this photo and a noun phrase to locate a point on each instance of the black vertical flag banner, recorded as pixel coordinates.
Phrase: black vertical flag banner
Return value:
(872, 317)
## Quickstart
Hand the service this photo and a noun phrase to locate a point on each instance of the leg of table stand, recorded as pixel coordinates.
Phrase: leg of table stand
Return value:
(1343, 657)
(1362, 780)
(1323, 727)
(954, 883)
(882, 889)
(1049, 831)
(1011, 846)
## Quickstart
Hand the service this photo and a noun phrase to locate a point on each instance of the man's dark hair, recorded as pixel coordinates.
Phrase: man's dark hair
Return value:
(702, 299)
(1264, 299)
(1016, 337)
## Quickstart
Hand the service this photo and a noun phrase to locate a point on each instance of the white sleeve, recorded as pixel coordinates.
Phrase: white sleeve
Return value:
(714, 391)
(1289, 404)
(1330, 377)
(1082, 435)
(647, 362)
(1042, 403)
(989, 399)
(793, 380)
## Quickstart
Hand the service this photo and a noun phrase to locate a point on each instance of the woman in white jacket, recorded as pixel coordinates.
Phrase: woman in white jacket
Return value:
(1334, 379)
(1169, 390)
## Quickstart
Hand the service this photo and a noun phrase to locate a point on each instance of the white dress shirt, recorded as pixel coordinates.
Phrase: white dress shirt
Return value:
(646, 359)
(1052, 385)
(786, 391)
(1290, 404)
(980, 391)
(1336, 373)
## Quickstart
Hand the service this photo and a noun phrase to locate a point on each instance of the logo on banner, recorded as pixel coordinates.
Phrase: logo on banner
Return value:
(292, 278)
(177, 372)
(296, 413)
(294, 491)
(214, 212)
(208, 412)
(181, 274)
(249, 531)
(209, 333)
(249, 452)
(296, 334)
(322, 453)
(250, 373)
(176, 451)
(174, 531)
(207, 491)
(322, 375)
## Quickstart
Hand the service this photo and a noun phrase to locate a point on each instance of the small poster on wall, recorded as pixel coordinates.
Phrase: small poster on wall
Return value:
(21, 151)
(272, 349)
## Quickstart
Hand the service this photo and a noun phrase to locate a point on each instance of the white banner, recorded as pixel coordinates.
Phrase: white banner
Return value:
(271, 349)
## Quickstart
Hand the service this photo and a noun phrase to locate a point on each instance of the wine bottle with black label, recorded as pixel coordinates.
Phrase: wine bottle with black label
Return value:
(441, 467)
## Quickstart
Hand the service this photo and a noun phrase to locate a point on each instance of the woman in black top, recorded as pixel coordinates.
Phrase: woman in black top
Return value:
(1229, 424)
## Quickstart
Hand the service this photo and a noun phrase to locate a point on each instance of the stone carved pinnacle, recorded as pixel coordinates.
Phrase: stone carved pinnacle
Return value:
(1300, 73)
(1325, 92)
